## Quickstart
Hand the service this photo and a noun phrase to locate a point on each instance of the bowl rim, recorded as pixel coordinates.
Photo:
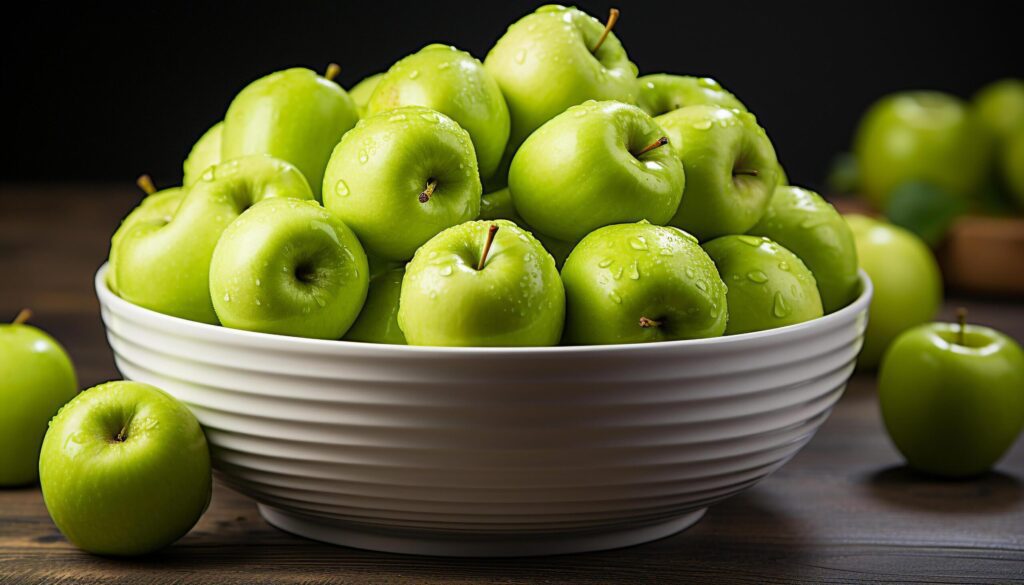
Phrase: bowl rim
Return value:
(109, 299)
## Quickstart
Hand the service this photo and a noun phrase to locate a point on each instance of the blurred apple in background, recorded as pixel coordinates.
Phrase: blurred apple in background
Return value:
(908, 285)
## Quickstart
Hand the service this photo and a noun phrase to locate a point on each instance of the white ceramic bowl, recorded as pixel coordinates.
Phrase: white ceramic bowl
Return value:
(491, 451)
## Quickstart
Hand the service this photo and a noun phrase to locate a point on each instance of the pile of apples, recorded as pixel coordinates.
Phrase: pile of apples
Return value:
(544, 196)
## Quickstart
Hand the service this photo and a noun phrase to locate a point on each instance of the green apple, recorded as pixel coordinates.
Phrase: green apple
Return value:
(38, 379)
(378, 321)
(125, 469)
(1012, 164)
(498, 205)
(290, 267)
(294, 115)
(157, 207)
(361, 92)
(1000, 106)
(731, 169)
(482, 283)
(906, 279)
(769, 286)
(596, 164)
(951, 397)
(783, 176)
(165, 265)
(661, 93)
(921, 136)
(397, 194)
(638, 282)
(807, 225)
(552, 59)
(443, 78)
(204, 154)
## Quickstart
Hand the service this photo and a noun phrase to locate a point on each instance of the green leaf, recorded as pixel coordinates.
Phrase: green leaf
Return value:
(924, 209)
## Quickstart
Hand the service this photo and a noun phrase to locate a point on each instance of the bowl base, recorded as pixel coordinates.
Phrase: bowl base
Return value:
(469, 544)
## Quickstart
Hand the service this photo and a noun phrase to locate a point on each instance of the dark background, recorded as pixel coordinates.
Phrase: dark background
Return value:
(104, 92)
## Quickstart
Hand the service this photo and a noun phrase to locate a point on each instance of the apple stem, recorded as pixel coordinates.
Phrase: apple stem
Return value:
(23, 316)
(659, 142)
(961, 318)
(425, 195)
(747, 172)
(145, 182)
(487, 245)
(613, 17)
(648, 323)
(332, 71)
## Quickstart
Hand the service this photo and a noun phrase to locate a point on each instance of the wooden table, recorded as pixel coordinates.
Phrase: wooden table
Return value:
(844, 510)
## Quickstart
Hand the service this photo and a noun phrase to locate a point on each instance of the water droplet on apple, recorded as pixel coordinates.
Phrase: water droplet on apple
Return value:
(227, 297)
(634, 271)
(689, 272)
(521, 56)
(341, 188)
(363, 157)
(702, 286)
(446, 271)
(784, 266)
(209, 174)
(432, 255)
(638, 243)
(414, 74)
(259, 282)
(779, 306)
(617, 274)
(614, 296)
(605, 263)
(258, 302)
(443, 65)
(750, 240)
(757, 276)
(702, 125)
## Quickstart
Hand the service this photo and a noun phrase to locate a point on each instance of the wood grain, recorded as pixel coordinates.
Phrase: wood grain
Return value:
(843, 511)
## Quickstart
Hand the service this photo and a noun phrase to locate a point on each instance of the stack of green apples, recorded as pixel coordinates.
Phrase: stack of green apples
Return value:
(545, 195)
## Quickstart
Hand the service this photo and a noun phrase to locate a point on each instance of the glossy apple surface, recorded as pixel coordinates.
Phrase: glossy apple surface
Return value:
(165, 266)
(596, 164)
(378, 321)
(443, 78)
(769, 286)
(289, 267)
(807, 225)
(498, 205)
(636, 283)
(38, 379)
(514, 299)
(397, 194)
(157, 208)
(361, 92)
(953, 405)
(204, 154)
(294, 115)
(906, 279)
(660, 93)
(545, 63)
(731, 169)
(125, 469)
(921, 136)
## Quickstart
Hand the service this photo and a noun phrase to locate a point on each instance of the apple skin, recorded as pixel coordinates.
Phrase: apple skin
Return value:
(378, 320)
(165, 266)
(517, 298)
(543, 65)
(807, 225)
(1012, 163)
(620, 275)
(582, 170)
(713, 143)
(498, 205)
(204, 154)
(906, 280)
(374, 181)
(769, 286)
(1000, 106)
(125, 470)
(453, 82)
(155, 208)
(952, 410)
(290, 267)
(921, 136)
(38, 378)
(660, 93)
(294, 115)
(361, 92)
